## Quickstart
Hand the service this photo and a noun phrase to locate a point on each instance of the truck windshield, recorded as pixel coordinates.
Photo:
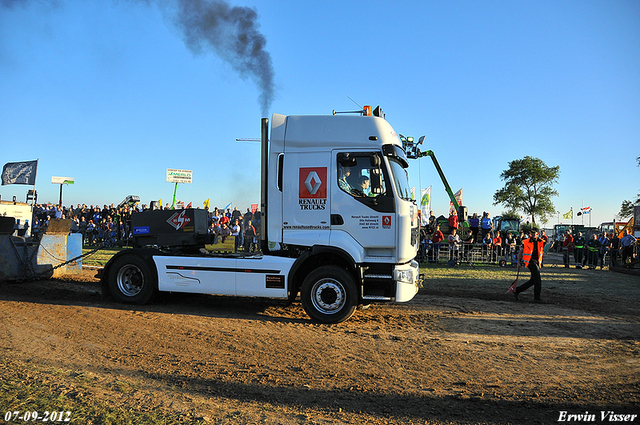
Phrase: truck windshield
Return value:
(400, 178)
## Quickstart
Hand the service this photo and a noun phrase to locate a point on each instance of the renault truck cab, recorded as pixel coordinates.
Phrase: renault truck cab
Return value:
(338, 228)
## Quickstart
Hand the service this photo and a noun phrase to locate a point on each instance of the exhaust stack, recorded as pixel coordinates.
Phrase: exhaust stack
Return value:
(264, 176)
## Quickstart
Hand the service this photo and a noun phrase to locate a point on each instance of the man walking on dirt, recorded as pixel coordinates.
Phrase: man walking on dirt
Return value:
(531, 254)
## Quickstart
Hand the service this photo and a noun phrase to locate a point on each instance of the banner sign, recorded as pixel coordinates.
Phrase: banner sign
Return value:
(62, 180)
(179, 176)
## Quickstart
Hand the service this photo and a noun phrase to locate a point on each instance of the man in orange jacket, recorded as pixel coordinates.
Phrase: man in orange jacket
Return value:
(531, 255)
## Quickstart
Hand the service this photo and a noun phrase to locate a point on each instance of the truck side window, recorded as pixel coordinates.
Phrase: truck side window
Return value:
(357, 177)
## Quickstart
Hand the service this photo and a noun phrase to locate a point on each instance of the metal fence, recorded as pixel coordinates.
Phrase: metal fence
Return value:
(467, 253)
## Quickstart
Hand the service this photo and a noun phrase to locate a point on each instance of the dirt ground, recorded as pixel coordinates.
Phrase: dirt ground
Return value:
(463, 351)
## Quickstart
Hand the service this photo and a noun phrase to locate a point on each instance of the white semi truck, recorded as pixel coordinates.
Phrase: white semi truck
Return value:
(335, 201)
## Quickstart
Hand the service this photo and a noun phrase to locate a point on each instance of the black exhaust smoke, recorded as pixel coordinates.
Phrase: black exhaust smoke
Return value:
(229, 32)
(232, 33)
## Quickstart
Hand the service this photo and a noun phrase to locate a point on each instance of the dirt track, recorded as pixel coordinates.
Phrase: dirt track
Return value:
(457, 353)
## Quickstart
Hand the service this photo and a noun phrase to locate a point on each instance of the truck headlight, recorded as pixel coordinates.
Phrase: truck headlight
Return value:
(404, 276)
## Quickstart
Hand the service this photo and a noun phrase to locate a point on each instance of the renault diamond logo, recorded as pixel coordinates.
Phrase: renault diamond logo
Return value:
(313, 182)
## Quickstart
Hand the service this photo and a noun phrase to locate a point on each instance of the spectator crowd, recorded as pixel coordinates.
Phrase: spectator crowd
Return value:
(111, 225)
(587, 251)
(481, 243)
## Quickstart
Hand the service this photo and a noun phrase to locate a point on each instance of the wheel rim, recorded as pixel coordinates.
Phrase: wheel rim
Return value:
(328, 296)
(130, 280)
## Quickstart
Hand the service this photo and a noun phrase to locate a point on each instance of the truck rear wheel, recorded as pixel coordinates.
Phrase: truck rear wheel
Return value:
(131, 280)
(329, 295)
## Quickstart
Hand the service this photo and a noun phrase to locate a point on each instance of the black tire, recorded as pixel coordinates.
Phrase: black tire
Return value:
(131, 280)
(329, 295)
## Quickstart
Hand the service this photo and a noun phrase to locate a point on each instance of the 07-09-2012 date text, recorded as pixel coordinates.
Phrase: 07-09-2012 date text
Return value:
(34, 416)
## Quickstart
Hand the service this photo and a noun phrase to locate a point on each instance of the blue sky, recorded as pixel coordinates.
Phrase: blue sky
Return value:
(110, 94)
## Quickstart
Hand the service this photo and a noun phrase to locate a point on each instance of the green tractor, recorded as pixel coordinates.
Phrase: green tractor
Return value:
(507, 224)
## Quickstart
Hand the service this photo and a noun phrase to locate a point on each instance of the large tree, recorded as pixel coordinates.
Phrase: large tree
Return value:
(626, 209)
(528, 188)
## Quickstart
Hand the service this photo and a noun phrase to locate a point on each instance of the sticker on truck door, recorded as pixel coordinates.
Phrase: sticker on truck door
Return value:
(372, 222)
(312, 188)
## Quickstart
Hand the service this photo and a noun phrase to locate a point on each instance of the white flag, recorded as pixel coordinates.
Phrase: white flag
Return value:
(458, 196)
(425, 206)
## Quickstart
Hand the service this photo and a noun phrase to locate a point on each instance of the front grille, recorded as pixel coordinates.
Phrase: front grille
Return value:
(415, 236)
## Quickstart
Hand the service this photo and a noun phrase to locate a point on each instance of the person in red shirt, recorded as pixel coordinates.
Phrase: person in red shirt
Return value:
(545, 238)
(497, 245)
(436, 239)
(453, 221)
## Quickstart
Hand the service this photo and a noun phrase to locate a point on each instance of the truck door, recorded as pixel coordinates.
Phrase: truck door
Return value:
(306, 214)
(362, 206)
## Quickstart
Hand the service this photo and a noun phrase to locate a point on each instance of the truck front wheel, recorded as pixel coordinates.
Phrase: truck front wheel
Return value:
(329, 295)
(131, 280)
